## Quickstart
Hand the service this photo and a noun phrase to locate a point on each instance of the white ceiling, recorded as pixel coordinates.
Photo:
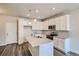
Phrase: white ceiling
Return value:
(45, 9)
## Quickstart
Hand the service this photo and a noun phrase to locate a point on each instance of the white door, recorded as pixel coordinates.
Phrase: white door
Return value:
(11, 33)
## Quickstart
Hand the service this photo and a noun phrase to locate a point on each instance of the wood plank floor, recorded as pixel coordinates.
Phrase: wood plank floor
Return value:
(22, 50)
(15, 50)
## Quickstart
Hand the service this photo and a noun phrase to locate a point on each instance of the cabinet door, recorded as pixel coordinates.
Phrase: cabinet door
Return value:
(27, 23)
(68, 22)
(40, 26)
(63, 22)
(55, 42)
(61, 44)
(53, 21)
(45, 25)
(34, 26)
(58, 24)
(50, 22)
(37, 26)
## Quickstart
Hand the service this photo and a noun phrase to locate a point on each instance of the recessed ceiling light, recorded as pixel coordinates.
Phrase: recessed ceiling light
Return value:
(30, 23)
(53, 8)
(37, 11)
(35, 20)
(28, 15)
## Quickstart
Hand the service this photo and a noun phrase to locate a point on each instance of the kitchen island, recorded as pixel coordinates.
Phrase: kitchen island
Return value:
(40, 46)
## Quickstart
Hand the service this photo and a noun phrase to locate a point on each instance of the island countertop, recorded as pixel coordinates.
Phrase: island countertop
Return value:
(37, 41)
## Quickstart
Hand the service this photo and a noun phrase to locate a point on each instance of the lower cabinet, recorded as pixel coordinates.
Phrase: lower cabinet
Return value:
(34, 50)
(62, 44)
(42, 50)
(55, 40)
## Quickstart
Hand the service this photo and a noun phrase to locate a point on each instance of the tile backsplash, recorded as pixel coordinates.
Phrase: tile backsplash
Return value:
(61, 34)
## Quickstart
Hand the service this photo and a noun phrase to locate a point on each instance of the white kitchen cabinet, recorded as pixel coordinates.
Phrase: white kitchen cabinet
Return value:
(45, 25)
(55, 42)
(51, 21)
(62, 22)
(48, 23)
(62, 44)
(40, 25)
(34, 50)
(37, 26)
(57, 23)
(27, 23)
(42, 50)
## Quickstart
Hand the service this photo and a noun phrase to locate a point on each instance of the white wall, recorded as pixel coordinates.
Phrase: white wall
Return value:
(2, 33)
(20, 31)
(74, 26)
(3, 20)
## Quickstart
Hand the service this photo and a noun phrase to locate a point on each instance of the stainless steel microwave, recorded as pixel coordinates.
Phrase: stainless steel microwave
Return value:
(52, 27)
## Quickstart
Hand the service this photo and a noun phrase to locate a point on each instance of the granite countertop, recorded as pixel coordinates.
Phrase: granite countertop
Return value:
(63, 34)
(37, 41)
(61, 37)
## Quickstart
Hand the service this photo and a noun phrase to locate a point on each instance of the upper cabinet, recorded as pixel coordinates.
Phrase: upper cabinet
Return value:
(51, 21)
(37, 25)
(48, 23)
(61, 22)
(40, 25)
(27, 23)
(45, 25)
